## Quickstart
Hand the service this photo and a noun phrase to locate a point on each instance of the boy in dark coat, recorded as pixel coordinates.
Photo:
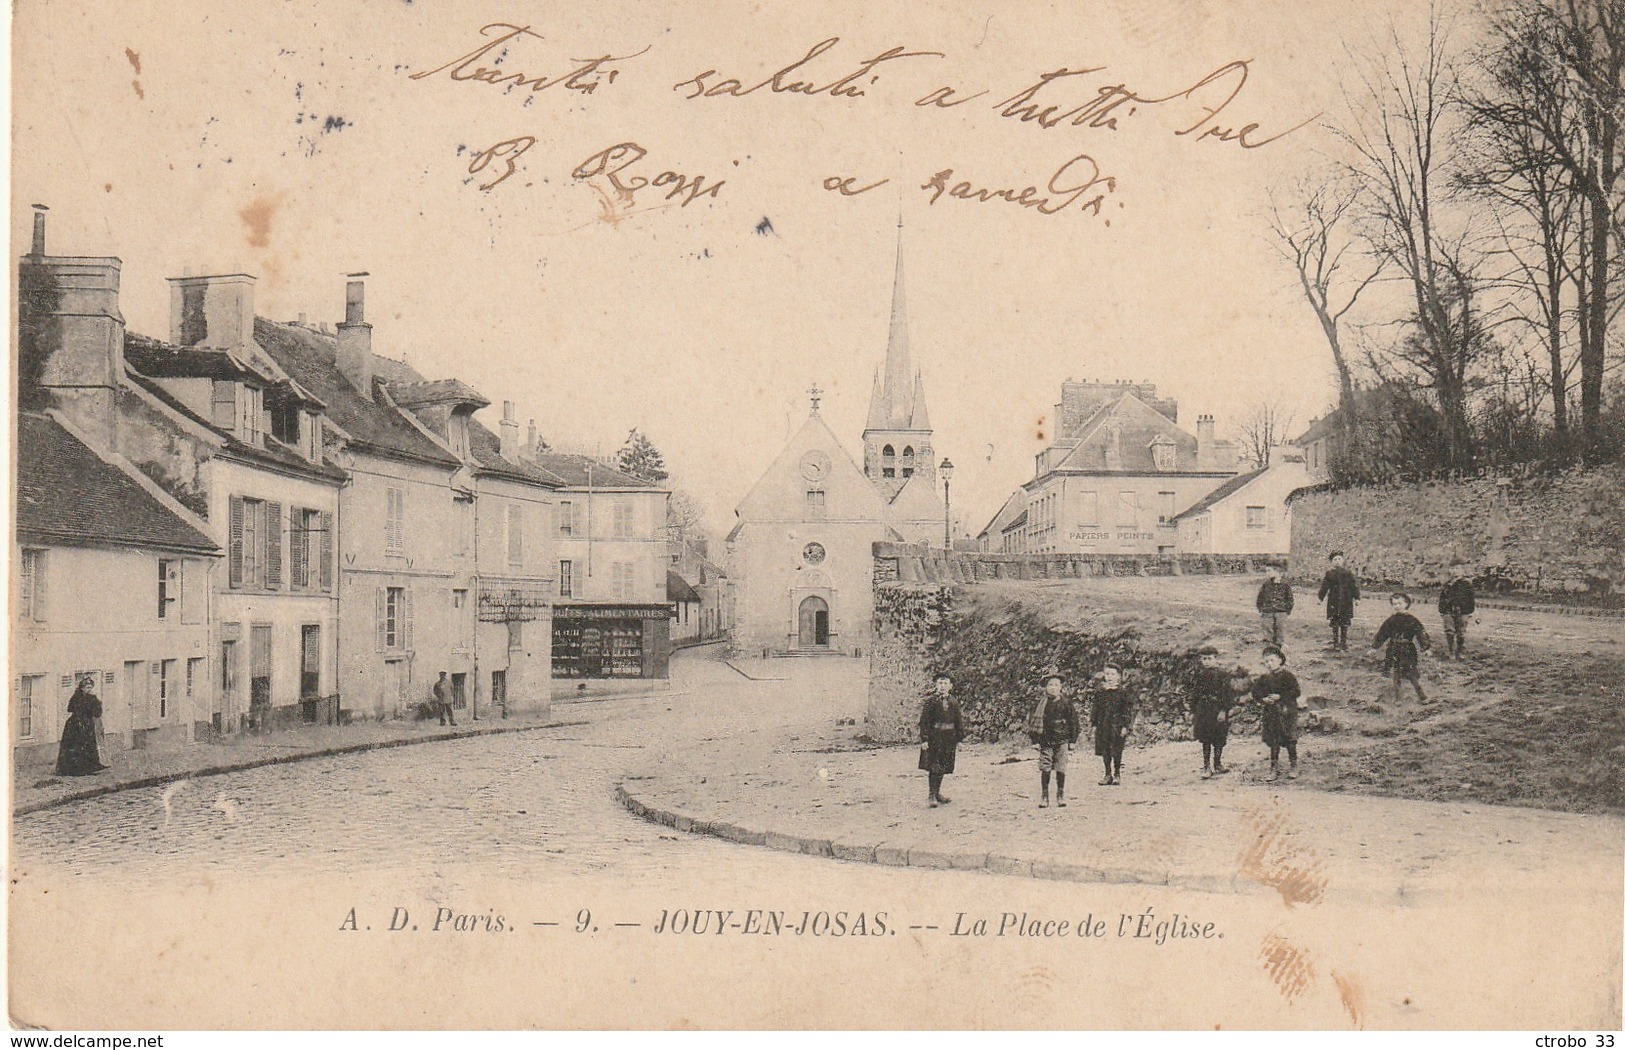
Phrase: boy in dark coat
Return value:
(942, 727)
(1057, 729)
(1339, 590)
(1110, 716)
(1456, 603)
(1406, 638)
(1277, 691)
(1211, 700)
(1274, 606)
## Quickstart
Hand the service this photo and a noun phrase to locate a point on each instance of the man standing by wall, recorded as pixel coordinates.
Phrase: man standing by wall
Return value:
(442, 701)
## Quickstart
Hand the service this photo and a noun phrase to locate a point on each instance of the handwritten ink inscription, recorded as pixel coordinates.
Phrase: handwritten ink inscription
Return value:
(1084, 99)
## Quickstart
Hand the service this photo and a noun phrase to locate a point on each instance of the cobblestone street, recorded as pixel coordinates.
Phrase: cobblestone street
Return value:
(509, 804)
(259, 871)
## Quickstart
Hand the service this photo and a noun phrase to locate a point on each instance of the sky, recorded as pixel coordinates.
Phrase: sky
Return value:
(292, 141)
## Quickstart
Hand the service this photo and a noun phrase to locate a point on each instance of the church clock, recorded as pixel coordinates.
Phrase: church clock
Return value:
(814, 465)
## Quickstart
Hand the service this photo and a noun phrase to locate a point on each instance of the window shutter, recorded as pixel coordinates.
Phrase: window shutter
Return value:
(298, 549)
(41, 570)
(273, 545)
(406, 617)
(516, 534)
(327, 550)
(383, 631)
(234, 544)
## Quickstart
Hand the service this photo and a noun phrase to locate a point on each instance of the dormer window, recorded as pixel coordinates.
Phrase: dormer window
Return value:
(1162, 454)
(286, 423)
(252, 413)
(457, 435)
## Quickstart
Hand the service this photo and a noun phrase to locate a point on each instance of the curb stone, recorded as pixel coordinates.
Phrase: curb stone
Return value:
(902, 856)
(159, 779)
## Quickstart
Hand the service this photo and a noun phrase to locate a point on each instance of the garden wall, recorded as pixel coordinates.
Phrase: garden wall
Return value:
(1549, 534)
(995, 641)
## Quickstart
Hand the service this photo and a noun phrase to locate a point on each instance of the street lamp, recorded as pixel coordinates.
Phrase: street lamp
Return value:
(947, 471)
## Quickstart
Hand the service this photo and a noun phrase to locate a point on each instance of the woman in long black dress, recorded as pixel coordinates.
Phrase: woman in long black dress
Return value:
(78, 755)
(942, 727)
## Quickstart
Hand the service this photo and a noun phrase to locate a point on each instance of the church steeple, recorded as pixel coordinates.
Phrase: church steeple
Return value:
(897, 433)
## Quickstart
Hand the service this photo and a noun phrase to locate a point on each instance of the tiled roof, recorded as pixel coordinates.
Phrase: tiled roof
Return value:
(571, 468)
(485, 446)
(273, 452)
(438, 392)
(68, 494)
(309, 357)
(678, 589)
(1230, 487)
(154, 357)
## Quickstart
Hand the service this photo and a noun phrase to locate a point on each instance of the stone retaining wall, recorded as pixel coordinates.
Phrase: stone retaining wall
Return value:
(1560, 534)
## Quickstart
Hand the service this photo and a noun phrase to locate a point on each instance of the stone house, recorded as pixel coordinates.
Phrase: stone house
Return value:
(611, 614)
(1249, 514)
(211, 422)
(111, 580)
(1118, 473)
(428, 496)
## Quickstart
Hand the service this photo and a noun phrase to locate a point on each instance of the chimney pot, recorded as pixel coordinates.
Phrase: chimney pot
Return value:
(38, 247)
(355, 299)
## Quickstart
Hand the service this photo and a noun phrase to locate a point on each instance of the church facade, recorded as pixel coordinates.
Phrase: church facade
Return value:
(801, 551)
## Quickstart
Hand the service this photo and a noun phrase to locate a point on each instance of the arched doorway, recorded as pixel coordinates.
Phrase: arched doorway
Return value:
(812, 623)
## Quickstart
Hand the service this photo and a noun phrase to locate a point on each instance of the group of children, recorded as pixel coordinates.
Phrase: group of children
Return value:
(1055, 726)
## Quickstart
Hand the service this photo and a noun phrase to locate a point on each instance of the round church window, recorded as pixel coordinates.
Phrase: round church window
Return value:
(813, 553)
(815, 464)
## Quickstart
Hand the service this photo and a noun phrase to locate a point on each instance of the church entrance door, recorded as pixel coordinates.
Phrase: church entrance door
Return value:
(813, 623)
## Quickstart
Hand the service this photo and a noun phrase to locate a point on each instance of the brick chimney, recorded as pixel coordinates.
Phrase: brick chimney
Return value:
(1207, 455)
(354, 358)
(214, 311)
(531, 440)
(509, 448)
(71, 336)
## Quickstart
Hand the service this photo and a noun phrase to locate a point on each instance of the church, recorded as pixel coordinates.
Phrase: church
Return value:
(802, 548)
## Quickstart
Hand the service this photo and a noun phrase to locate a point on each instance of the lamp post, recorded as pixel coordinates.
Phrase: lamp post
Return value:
(947, 471)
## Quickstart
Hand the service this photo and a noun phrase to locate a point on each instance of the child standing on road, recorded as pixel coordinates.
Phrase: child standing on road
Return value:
(1339, 590)
(1110, 716)
(1406, 638)
(1456, 603)
(1274, 606)
(1211, 700)
(942, 727)
(1055, 730)
(1278, 693)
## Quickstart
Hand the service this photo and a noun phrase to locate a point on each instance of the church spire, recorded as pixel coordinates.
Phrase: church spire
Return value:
(899, 387)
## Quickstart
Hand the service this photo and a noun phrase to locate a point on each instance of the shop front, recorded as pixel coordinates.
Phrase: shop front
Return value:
(612, 641)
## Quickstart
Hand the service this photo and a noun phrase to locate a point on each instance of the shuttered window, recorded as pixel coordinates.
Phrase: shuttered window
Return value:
(394, 519)
(298, 548)
(31, 573)
(327, 551)
(394, 618)
(273, 545)
(516, 534)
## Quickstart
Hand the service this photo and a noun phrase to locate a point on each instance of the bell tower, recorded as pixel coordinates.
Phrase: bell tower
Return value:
(897, 436)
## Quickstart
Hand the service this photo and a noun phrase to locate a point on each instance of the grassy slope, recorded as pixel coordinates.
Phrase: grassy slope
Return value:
(1534, 717)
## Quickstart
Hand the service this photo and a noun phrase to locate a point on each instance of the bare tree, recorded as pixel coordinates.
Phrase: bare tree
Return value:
(1310, 227)
(1513, 168)
(1265, 426)
(685, 519)
(1398, 132)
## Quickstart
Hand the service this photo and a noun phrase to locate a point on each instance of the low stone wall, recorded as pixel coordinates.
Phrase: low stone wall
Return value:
(995, 644)
(912, 563)
(1543, 534)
